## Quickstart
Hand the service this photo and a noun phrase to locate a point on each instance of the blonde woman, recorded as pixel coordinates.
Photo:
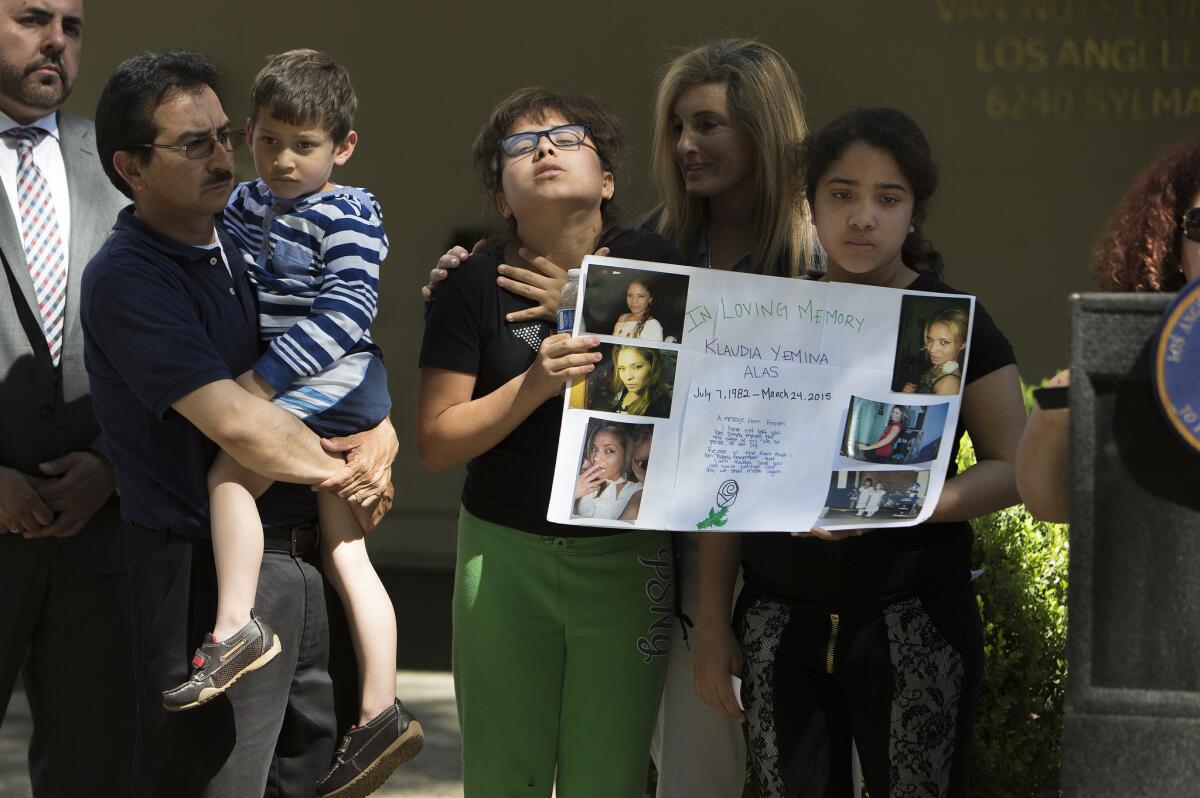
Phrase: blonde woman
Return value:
(728, 117)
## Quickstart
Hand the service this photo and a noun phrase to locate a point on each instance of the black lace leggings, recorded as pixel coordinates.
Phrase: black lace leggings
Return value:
(901, 682)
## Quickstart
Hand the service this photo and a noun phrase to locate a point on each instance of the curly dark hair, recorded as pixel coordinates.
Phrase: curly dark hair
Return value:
(898, 135)
(536, 102)
(1140, 248)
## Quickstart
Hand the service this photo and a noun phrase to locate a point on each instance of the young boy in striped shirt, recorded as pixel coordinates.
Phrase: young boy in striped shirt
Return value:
(313, 249)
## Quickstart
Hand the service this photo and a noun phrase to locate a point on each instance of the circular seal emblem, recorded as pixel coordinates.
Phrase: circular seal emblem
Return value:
(1177, 365)
(727, 493)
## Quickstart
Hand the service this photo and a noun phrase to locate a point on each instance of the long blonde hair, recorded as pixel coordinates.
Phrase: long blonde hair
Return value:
(765, 101)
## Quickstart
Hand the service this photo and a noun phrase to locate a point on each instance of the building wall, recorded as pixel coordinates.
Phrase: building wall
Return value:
(1040, 113)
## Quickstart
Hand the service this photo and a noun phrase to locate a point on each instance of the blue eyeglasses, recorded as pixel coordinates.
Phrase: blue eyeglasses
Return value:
(565, 136)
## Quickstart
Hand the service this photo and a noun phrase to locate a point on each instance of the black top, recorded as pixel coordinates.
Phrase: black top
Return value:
(659, 407)
(882, 565)
(161, 319)
(466, 331)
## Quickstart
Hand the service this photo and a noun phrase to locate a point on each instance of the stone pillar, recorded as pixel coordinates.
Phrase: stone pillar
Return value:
(1133, 642)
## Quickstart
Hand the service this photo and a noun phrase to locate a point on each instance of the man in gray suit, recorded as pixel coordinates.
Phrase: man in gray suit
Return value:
(63, 595)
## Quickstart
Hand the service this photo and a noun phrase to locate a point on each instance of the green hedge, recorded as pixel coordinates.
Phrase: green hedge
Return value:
(1022, 599)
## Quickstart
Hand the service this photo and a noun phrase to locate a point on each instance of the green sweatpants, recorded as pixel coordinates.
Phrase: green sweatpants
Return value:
(560, 651)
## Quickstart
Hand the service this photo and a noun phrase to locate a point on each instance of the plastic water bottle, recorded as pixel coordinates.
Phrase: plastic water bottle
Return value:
(568, 301)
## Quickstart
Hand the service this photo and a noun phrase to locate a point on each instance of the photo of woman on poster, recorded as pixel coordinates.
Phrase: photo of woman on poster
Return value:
(858, 496)
(607, 487)
(943, 344)
(628, 302)
(638, 323)
(639, 382)
(633, 380)
(883, 432)
(880, 451)
(870, 496)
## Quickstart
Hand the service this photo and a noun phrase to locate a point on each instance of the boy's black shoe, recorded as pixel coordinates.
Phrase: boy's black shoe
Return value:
(369, 753)
(216, 666)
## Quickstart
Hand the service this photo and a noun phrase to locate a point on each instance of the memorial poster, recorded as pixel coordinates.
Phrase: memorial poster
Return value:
(740, 402)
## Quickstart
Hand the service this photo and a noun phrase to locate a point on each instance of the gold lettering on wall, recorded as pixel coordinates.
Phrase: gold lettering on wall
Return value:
(1092, 60)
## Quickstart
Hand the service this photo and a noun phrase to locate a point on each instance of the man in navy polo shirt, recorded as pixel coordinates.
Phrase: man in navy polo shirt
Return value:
(169, 320)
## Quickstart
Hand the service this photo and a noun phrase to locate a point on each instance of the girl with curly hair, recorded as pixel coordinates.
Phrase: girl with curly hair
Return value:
(1145, 246)
(1151, 243)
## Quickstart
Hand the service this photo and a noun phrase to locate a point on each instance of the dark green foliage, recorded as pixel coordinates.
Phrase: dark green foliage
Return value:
(1022, 599)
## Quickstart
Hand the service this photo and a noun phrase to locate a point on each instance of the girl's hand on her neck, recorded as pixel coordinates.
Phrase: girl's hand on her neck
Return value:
(543, 284)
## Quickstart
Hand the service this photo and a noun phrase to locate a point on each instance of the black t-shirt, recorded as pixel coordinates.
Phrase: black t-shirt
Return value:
(885, 564)
(160, 320)
(466, 331)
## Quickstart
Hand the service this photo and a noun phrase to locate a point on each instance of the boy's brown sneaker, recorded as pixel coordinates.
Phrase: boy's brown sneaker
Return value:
(369, 753)
(216, 666)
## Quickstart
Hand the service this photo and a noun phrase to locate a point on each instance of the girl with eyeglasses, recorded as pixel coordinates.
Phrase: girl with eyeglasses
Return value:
(872, 637)
(1151, 243)
(556, 666)
(729, 117)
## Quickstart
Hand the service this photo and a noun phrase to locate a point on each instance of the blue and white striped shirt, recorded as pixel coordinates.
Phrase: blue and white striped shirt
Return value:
(315, 262)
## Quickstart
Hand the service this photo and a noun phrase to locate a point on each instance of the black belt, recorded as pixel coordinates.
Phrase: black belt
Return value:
(296, 541)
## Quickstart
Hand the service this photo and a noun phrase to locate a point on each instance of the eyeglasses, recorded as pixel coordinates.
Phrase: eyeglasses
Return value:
(1191, 225)
(565, 136)
(200, 149)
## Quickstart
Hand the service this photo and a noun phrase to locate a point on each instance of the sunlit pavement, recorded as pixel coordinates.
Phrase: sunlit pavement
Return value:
(436, 773)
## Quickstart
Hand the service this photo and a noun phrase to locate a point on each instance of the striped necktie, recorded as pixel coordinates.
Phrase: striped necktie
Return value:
(44, 251)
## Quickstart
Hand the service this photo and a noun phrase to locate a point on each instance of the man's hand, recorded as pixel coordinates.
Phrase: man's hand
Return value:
(451, 260)
(80, 484)
(371, 512)
(21, 508)
(368, 471)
